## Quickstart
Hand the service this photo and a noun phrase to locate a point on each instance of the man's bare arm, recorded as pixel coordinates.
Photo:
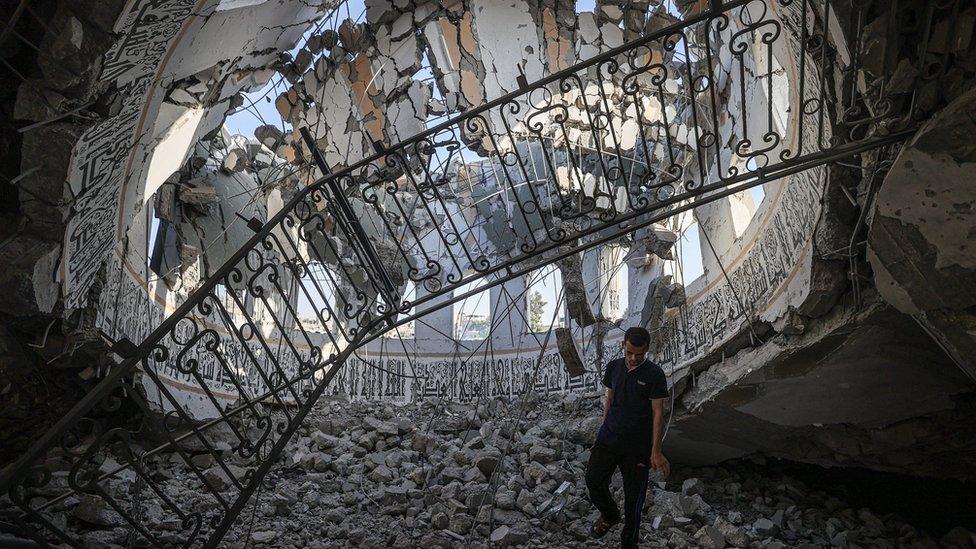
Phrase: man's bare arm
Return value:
(658, 461)
(606, 405)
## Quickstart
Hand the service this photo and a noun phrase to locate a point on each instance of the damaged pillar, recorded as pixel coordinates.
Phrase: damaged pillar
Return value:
(612, 303)
(577, 302)
(920, 243)
(602, 270)
(508, 313)
(434, 331)
(653, 252)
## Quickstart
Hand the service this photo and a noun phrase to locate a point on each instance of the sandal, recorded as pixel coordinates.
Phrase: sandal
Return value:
(601, 527)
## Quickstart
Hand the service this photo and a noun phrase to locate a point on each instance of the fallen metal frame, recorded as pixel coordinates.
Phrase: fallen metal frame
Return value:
(224, 352)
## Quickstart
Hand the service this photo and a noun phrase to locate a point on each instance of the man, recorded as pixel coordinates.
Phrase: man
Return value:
(630, 438)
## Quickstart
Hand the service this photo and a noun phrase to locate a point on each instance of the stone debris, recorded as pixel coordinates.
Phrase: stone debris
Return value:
(235, 161)
(569, 352)
(377, 475)
(95, 511)
(198, 192)
(378, 466)
(659, 241)
(263, 536)
(504, 536)
(577, 303)
(269, 136)
(692, 486)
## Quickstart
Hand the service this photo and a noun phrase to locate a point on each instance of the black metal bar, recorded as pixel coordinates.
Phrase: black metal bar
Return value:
(270, 265)
(718, 190)
(279, 446)
(14, 17)
(389, 292)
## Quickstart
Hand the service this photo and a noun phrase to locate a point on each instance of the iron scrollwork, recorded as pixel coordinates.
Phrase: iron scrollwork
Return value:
(600, 148)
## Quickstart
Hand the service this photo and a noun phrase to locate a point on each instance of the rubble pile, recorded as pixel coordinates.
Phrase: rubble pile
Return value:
(501, 473)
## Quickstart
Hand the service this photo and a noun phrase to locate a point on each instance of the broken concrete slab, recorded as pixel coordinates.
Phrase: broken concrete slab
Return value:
(920, 240)
(569, 352)
(577, 301)
(198, 191)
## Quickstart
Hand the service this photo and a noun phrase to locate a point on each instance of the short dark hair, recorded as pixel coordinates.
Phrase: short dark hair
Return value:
(637, 336)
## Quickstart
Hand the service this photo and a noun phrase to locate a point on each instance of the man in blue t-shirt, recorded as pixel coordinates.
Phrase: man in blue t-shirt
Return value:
(630, 438)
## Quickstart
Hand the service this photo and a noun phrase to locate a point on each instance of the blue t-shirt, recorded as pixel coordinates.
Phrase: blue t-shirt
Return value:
(629, 426)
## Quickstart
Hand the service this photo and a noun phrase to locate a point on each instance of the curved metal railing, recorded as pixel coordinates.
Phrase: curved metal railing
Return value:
(571, 161)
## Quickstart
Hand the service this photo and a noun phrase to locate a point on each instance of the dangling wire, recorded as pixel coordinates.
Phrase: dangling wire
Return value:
(735, 293)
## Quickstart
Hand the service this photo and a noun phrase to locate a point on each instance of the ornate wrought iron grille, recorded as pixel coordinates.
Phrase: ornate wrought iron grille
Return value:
(742, 93)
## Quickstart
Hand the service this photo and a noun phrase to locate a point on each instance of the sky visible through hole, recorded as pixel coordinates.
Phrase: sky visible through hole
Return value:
(259, 109)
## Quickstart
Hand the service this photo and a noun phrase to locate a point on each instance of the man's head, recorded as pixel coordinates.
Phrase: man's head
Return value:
(636, 342)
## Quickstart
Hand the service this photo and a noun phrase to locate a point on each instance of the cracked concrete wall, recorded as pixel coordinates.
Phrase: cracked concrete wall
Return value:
(369, 87)
(476, 51)
(767, 267)
(834, 395)
(65, 76)
(920, 243)
(51, 95)
(829, 382)
(178, 69)
(158, 50)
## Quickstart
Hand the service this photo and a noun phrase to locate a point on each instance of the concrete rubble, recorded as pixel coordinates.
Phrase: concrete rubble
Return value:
(921, 234)
(444, 474)
(832, 322)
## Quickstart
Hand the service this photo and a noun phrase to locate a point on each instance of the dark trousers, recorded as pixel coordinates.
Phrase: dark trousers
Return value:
(603, 463)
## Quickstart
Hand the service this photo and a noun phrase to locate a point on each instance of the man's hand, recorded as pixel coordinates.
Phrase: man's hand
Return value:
(660, 464)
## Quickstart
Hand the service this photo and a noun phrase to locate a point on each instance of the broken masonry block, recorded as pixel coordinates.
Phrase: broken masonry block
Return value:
(199, 191)
(236, 161)
(351, 35)
(303, 61)
(236, 102)
(659, 241)
(330, 39)
(436, 107)
(188, 256)
(286, 103)
(181, 97)
(677, 297)
(790, 323)
(166, 199)
(661, 295)
(569, 352)
(571, 269)
(269, 136)
(260, 156)
(287, 152)
(379, 11)
(196, 87)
